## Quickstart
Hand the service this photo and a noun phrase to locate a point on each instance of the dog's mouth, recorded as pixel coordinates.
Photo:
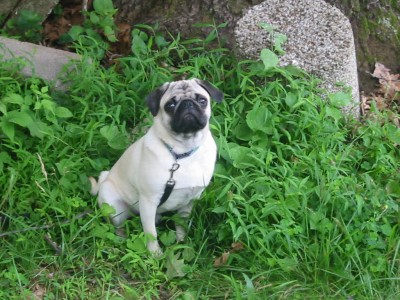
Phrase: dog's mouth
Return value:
(189, 123)
(189, 117)
(188, 120)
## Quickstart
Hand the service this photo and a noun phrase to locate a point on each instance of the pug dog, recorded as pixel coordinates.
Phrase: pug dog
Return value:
(170, 165)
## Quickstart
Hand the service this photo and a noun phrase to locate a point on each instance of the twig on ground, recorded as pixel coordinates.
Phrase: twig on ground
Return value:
(53, 244)
(79, 216)
(84, 5)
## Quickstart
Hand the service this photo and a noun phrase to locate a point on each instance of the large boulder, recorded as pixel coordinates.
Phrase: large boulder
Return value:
(319, 40)
(43, 62)
(11, 8)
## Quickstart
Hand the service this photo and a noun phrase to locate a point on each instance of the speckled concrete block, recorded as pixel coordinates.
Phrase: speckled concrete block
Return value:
(319, 40)
(43, 62)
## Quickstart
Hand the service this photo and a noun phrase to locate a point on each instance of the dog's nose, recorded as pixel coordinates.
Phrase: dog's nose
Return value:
(187, 103)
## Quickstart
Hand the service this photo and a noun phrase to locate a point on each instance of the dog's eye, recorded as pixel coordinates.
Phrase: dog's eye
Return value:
(202, 101)
(170, 105)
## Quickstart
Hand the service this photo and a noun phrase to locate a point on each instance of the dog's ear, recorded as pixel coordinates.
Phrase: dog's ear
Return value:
(215, 93)
(154, 98)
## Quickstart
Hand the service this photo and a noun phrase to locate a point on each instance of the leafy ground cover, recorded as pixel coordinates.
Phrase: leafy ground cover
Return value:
(304, 202)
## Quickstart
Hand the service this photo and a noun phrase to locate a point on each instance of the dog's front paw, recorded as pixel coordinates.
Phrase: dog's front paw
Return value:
(180, 233)
(154, 248)
(120, 232)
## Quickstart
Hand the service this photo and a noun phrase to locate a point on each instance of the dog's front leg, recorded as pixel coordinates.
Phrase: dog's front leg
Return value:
(148, 210)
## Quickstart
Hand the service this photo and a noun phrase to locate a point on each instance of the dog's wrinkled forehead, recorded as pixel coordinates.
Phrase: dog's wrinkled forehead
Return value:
(181, 90)
(185, 89)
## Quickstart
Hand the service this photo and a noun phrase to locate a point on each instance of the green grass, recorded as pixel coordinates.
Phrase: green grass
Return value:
(312, 196)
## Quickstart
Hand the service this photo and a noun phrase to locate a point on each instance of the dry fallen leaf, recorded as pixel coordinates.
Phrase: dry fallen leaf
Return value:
(220, 261)
(175, 266)
(39, 292)
(380, 102)
(381, 72)
(389, 83)
(237, 246)
(124, 33)
(387, 92)
(365, 104)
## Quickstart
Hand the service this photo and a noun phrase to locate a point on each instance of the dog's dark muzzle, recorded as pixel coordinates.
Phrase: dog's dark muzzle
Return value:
(189, 117)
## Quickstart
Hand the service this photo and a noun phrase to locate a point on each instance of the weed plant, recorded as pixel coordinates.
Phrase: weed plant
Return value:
(311, 196)
(26, 26)
(97, 30)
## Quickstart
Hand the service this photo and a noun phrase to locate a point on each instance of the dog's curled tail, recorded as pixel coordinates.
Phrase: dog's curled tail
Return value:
(95, 185)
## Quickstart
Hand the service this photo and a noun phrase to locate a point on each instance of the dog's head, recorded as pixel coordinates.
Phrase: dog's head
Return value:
(184, 106)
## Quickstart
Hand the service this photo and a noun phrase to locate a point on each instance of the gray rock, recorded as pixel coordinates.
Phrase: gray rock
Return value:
(43, 62)
(319, 40)
(42, 7)
(6, 7)
(9, 9)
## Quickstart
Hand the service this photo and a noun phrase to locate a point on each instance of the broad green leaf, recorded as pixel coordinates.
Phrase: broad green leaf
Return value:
(107, 210)
(175, 266)
(75, 32)
(20, 118)
(99, 163)
(269, 59)
(63, 166)
(314, 219)
(107, 21)
(241, 156)
(340, 99)
(100, 230)
(104, 231)
(168, 238)
(13, 98)
(333, 112)
(5, 158)
(243, 132)
(291, 99)
(393, 133)
(386, 229)
(94, 18)
(3, 108)
(238, 153)
(39, 129)
(110, 34)
(48, 105)
(279, 40)
(139, 47)
(103, 6)
(63, 112)
(393, 188)
(259, 118)
(109, 131)
(8, 129)
(188, 254)
(115, 139)
(266, 26)
(137, 243)
(160, 41)
(28, 101)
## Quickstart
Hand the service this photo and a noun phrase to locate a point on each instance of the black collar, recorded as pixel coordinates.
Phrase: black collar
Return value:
(179, 155)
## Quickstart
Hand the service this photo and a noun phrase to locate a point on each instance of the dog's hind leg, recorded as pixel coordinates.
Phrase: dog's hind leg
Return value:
(108, 194)
(184, 212)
